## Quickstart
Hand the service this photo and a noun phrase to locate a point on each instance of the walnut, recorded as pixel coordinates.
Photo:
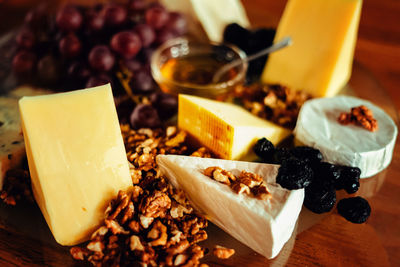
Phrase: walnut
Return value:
(220, 175)
(201, 235)
(361, 116)
(158, 233)
(78, 253)
(171, 130)
(177, 140)
(250, 179)
(134, 226)
(155, 205)
(128, 213)
(101, 231)
(202, 152)
(96, 246)
(176, 236)
(115, 227)
(146, 221)
(136, 174)
(135, 243)
(261, 192)
(240, 188)
(178, 210)
(223, 252)
(123, 200)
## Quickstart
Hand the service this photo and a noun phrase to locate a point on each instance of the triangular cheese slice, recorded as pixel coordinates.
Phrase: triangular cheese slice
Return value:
(226, 129)
(262, 225)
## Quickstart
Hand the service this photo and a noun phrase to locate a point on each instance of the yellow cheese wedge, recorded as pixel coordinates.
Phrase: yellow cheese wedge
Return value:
(227, 130)
(324, 34)
(76, 158)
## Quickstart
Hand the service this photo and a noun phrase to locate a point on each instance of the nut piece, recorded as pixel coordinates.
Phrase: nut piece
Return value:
(220, 175)
(135, 243)
(361, 116)
(261, 192)
(223, 252)
(250, 179)
(155, 205)
(158, 233)
(240, 188)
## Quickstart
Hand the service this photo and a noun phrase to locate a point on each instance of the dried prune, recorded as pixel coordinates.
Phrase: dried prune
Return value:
(319, 200)
(264, 149)
(325, 174)
(294, 174)
(281, 154)
(354, 209)
(307, 153)
(349, 179)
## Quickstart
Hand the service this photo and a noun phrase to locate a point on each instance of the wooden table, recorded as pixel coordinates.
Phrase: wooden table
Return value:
(321, 240)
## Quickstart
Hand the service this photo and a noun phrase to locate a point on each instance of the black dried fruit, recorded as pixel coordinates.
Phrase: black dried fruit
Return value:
(307, 153)
(294, 174)
(264, 149)
(354, 209)
(237, 35)
(319, 200)
(325, 174)
(349, 179)
(280, 155)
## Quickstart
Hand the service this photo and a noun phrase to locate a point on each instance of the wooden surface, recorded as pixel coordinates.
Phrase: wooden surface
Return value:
(321, 240)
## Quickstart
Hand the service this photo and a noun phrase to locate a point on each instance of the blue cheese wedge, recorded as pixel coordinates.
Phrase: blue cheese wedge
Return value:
(317, 126)
(12, 149)
(263, 225)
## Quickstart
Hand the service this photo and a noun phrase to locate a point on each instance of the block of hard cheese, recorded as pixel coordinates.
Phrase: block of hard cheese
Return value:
(324, 34)
(226, 129)
(12, 149)
(76, 158)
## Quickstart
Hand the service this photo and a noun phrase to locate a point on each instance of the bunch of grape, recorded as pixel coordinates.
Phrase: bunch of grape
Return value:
(78, 47)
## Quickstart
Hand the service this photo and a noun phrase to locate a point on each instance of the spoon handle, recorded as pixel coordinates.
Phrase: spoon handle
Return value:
(279, 45)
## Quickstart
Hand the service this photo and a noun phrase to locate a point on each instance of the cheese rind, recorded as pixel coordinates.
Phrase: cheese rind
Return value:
(349, 145)
(227, 130)
(12, 148)
(213, 15)
(76, 158)
(324, 34)
(263, 225)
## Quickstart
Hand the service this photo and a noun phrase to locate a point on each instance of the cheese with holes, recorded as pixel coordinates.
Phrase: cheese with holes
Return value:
(76, 158)
(12, 148)
(263, 225)
(228, 130)
(212, 15)
(320, 59)
(349, 145)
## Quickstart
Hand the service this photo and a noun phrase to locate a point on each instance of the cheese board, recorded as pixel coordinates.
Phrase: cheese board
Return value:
(317, 239)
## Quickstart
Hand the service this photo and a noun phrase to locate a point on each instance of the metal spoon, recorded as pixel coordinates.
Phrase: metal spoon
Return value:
(279, 45)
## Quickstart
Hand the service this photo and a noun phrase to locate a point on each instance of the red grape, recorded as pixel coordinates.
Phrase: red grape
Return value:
(144, 116)
(70, 46)
(156, 17)
(37, 17)
(25, 38)
(133, 65)
(114, 14)
(146, 34)
(98, 80)
(48, 69)
(177, 23)
(79, 71)
(137, 5)
(142, 82)
(101, 58)
(94, 20)
(69, 18)
(164, 35)
(166, 104)
(23, 62)
(126, 43)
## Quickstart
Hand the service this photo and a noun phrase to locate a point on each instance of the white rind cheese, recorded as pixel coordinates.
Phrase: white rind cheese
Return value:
(263, 225)
(352, 145)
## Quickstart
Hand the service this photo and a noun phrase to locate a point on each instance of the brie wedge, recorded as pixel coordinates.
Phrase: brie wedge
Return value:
(263, 225)
(318, 126)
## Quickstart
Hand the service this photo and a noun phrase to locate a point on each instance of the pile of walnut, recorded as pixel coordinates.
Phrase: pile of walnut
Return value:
(17, 187)
(247, 183)
(153, 224)
(361, 116)
(276, 103)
